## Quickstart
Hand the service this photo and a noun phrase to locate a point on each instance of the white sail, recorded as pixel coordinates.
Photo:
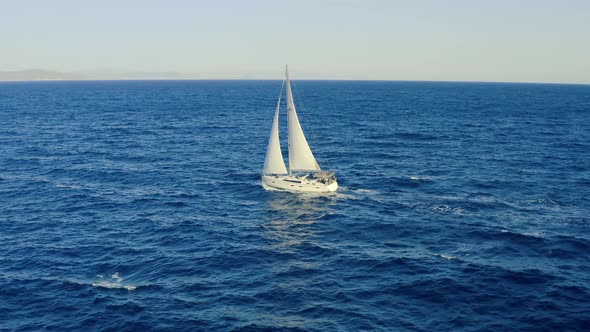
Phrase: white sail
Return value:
(274, 163)
(300, 156)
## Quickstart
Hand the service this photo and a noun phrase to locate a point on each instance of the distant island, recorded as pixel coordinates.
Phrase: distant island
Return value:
(51, 75)
(38, 75)
(121, 74)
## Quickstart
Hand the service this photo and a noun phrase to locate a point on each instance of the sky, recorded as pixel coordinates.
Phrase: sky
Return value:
(452, 40)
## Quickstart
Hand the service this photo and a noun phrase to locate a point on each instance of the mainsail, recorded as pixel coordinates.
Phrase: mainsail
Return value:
(274, 163)
(300, 156)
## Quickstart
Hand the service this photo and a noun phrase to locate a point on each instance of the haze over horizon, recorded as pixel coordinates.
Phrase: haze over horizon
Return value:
(457, 40)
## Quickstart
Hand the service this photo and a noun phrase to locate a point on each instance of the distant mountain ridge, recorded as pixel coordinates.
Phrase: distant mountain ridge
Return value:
(38, 75)
(43, 74)
(119, 74)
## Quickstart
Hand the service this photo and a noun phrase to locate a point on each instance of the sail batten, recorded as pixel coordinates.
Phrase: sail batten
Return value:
(300, 156)
(274, 162)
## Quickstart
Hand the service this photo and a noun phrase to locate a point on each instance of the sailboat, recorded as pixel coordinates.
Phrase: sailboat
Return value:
(304, 174)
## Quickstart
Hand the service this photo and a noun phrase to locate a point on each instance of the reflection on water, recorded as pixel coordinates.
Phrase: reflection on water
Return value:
(292, 228)
(291, 218)
(296, 205)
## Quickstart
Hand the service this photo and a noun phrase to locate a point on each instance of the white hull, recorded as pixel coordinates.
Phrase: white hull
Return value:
(291, 183)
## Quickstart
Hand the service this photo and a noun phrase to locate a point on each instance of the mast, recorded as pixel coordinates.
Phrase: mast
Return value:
(287, 101)
(300, 156)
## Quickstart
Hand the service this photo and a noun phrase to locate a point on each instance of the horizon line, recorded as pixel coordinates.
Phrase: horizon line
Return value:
(274, 79)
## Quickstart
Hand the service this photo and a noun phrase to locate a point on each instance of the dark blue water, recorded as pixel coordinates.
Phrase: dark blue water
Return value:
(137, 206)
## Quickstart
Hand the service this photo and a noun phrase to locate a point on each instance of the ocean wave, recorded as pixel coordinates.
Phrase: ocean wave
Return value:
(119, 212)
(115, 281)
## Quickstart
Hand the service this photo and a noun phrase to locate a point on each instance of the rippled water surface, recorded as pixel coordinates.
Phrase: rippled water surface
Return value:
(138, 206)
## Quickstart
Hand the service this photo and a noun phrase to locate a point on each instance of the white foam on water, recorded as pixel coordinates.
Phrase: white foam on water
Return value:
(443, 208)
(117, 277)
(420, 178)
(445, 256)
(535, 234)
(106, 284)
(355, 194)
(115, 281)
(344, 193)
(366, 191)
(344, 196)
(68, 186)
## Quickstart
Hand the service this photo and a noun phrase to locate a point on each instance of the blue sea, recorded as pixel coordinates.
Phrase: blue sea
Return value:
(137, 206)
